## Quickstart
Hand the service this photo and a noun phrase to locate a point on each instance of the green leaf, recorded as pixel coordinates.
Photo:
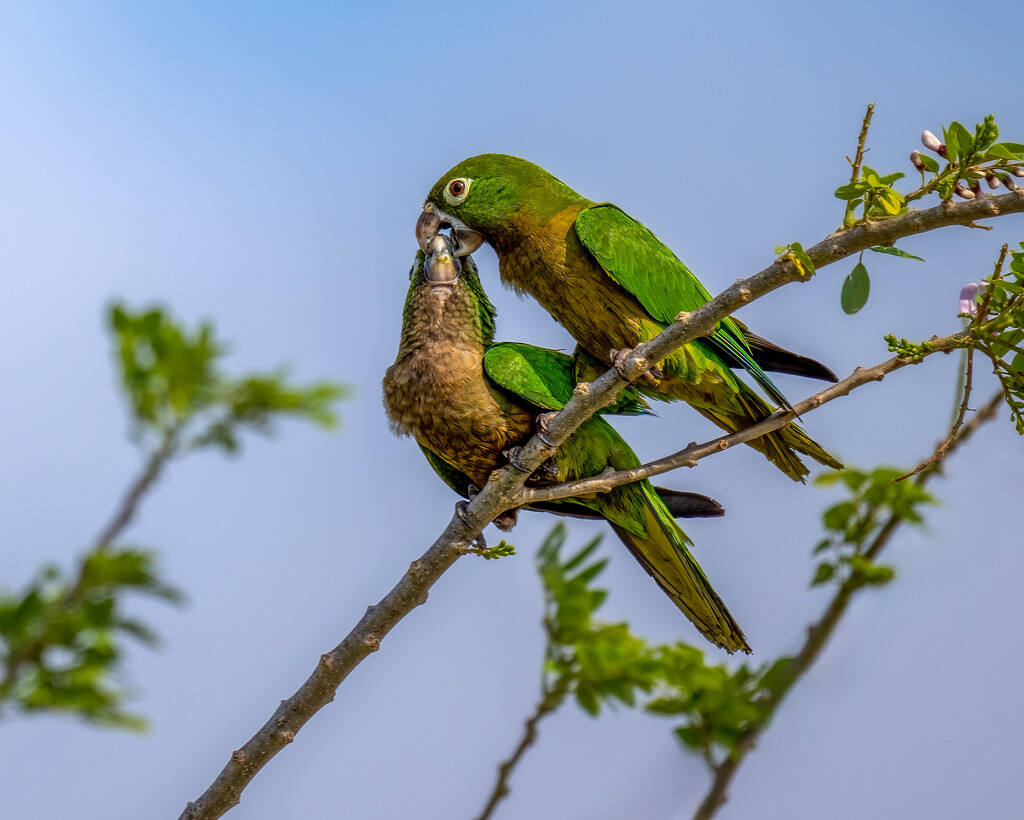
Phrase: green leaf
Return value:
(856, 288)
(848, 192)
(690, 736)
(823, 574)
(929, 163)
(892, 251)
(1007, 150)
(803, 260)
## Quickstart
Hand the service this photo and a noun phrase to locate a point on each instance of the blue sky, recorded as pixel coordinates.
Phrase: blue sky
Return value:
(263, 165)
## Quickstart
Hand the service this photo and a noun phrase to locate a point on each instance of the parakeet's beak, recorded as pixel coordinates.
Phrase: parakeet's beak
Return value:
(433, 220)
(441, 266)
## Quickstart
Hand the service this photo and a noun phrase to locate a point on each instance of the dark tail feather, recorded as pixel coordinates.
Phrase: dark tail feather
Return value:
(689, 505)
(779, 360)
(679, 504)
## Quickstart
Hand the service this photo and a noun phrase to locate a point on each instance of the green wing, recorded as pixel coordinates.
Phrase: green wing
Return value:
(639, 262)
(546, 378)
(455, 479)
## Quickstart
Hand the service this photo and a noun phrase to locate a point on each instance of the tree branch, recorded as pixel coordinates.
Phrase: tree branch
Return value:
(504, 489)
(129, 504)
(819, 634)
(547, 704)
(689, 456)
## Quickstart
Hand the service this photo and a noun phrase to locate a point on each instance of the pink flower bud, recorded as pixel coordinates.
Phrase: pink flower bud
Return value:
(915, 158)
(964, 193)
(931, 142)
(968, 298)
(993, 181)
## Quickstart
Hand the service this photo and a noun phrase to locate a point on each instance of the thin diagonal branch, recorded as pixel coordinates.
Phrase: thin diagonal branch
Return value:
(547, 705)
(819, 634)
(130, 503)
(689, 456)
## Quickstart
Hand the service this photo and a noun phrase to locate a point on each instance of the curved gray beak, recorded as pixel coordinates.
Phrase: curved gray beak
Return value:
(441, 267)
(430, 223)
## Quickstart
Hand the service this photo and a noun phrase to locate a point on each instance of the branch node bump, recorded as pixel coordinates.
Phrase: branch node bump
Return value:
(723, 445)
(745, 295)
(238, 757)
(372, 642)
(581, 389)
(683, 316)
(415, 568)
(326, 661)
(287, 736)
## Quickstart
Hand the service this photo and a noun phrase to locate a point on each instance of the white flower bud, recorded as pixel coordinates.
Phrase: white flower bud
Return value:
(993, 181)
(964, 193)
(915, 158)
(931, 142)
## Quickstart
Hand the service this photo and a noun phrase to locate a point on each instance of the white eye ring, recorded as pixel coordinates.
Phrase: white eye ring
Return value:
(460, 184)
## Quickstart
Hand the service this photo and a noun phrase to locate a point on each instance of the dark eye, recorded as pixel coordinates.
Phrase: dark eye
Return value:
(456, 191)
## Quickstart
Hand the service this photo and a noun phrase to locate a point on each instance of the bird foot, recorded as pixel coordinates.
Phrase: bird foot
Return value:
(650, 378)
(540, 425)
(504, 522)
(547, 473)
(478, 543)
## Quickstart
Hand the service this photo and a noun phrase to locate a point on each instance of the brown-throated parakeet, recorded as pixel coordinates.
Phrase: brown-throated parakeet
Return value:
(468, 402)
(613, 285)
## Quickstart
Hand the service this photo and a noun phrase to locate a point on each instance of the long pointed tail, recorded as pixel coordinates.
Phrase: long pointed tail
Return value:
(662, 549)
(780, 446)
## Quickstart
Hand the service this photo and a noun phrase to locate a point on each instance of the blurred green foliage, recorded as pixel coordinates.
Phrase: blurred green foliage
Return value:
(62, 637)
(716, 707)
(174, 384)
(874, 499)
(602, 664)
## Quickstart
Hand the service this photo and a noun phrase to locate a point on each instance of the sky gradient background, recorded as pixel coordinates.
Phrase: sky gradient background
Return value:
(263, 165)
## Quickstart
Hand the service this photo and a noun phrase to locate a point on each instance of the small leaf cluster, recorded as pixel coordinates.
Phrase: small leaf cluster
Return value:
(173, 380)
(594, 661)
(796, 254)
(718, 705)
(61, 639)
(873, 194)
(915, 351)
(874, 499)
(500, 550)
(998, 330)
(602, 664)
(970, 159)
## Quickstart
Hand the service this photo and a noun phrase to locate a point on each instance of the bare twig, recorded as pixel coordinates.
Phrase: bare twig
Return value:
(689, 456)
(130, 503)
(819, 634)
(551, 700)
(504, 490)
(858, 159)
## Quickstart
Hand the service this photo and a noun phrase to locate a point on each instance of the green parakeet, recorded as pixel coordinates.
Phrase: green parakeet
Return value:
(468, 401)
(613, 285)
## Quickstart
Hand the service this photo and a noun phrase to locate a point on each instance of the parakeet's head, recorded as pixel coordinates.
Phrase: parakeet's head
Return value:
(485, 197)
(445, 290)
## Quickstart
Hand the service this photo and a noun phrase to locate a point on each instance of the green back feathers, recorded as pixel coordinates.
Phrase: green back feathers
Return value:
(642, 264)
